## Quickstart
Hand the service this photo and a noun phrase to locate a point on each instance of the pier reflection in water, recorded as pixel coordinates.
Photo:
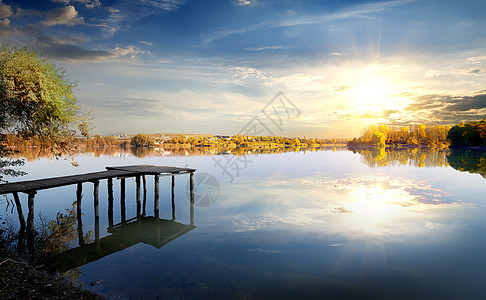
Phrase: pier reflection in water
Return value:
(51, 244)
(148, 230)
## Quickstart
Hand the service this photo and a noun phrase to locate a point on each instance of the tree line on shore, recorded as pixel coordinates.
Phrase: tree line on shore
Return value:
(471, 134)
(403, 136)
(189, 141)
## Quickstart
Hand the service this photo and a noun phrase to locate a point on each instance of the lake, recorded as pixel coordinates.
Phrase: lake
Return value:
(339, 224)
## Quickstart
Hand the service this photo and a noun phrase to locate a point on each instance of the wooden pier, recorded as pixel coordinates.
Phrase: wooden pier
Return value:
(140, 172)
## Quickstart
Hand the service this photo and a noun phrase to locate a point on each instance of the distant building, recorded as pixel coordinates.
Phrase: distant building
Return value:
(224, 137)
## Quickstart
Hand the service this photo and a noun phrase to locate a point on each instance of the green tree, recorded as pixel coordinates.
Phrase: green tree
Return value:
(468, 134)
(37, 99)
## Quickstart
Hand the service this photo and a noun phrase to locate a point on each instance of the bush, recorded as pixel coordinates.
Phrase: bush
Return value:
(140, 140)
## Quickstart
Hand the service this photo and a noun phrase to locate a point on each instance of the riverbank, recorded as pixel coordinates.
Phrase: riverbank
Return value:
(20, 280)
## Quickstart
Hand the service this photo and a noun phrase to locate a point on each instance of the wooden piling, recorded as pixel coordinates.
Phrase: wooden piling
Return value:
(191, 182)
(156, 197)
(30, 222)
(110, 202)
(144, 206)
(30, 217)
(139, 205)
(79, 195)
(173, 197)
(97, 210)
(122, 200)
(19, 211)
(96, 199)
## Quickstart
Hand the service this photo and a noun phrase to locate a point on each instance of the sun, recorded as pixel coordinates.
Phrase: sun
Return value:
(371, 92)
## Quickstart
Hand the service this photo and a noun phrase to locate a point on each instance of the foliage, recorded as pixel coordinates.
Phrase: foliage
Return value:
(140, 140)
(37, 100)
(468, 134)
(378, 139)
(59, 234)
(408, 136)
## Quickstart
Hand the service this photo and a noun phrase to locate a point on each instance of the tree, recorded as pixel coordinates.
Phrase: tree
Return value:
(378, 139)
(468, 134)
(139, 140)
(37, 100)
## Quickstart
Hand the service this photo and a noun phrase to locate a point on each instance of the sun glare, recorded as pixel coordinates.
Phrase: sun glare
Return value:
(374, 93)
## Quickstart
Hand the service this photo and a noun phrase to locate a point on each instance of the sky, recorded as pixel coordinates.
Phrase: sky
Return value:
(311, 68)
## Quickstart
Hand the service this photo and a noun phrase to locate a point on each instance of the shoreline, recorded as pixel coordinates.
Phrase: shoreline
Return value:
(22, 280)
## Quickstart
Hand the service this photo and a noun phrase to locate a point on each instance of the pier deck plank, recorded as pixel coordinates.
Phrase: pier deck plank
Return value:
(152, 170)
(111, 172)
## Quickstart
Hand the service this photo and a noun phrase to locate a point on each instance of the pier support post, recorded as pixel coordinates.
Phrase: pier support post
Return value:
(97, 211)
(139, 205)
(191, 182)
(144, 181)
(156, 197)
(19, 211)
(30, 222)
(173, 197)
(79, 195)
(122, 201)
(110, 202)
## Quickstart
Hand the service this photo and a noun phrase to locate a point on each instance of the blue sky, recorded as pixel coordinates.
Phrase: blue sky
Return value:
(212, 66)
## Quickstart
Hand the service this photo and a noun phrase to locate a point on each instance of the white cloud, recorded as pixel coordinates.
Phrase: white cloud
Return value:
(4, 23)
(241, 74)
(477, 59)
(129, 50)
(432, 73)
(87, 3)
(62, 16)
(113, 10)
(5, 11)
(169, 5)
(243, 2)
(145, 43)
(265, 48)
(294, 81)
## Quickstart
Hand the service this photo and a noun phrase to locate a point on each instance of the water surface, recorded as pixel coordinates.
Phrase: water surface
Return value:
(319, 224)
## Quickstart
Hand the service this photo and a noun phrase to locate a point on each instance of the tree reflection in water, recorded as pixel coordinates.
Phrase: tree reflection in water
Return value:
(465, 160)
(381, 157)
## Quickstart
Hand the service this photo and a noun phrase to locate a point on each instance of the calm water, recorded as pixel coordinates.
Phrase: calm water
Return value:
(328, 224)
